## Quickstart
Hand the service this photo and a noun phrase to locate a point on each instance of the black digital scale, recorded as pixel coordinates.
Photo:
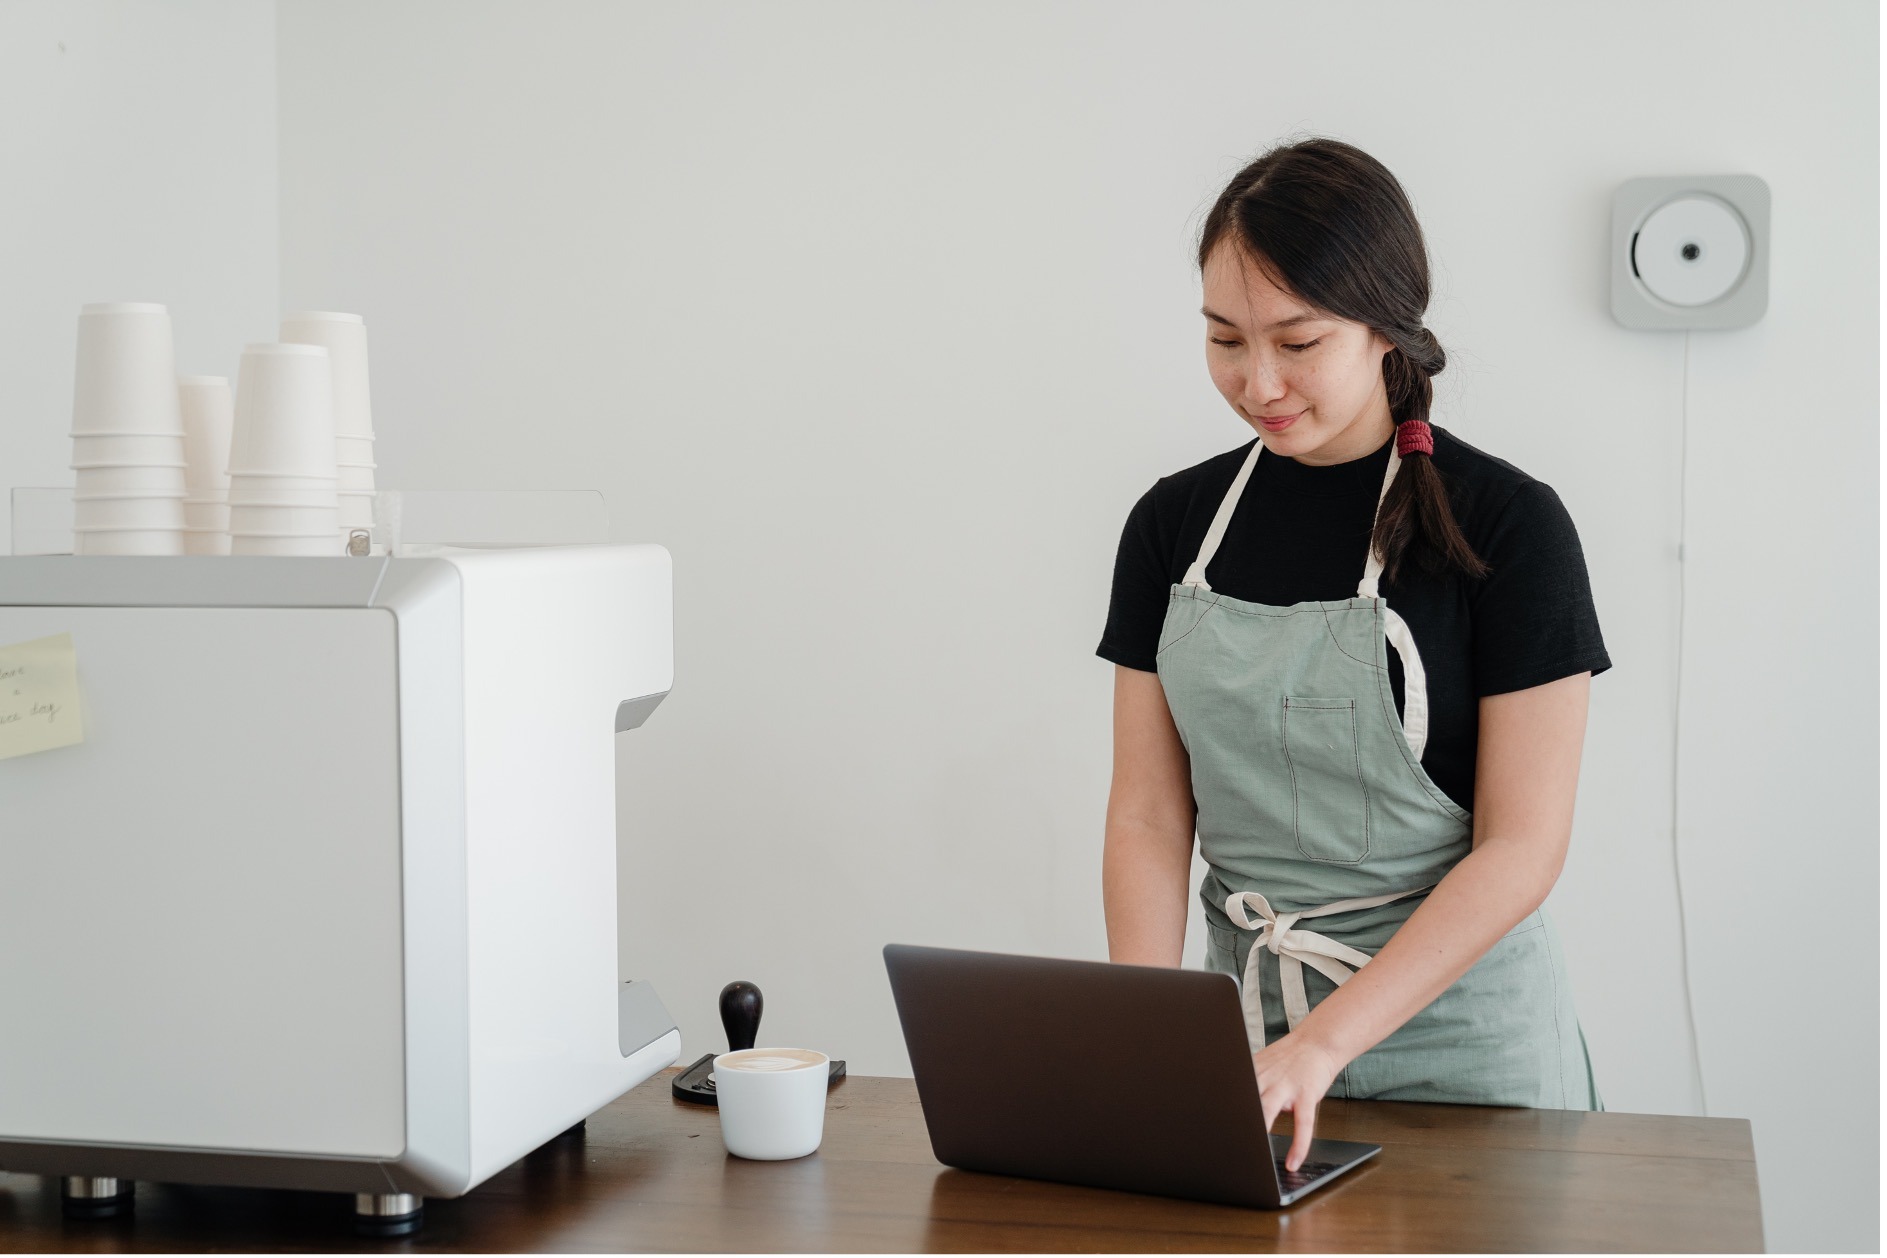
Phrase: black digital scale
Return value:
(740, 1018)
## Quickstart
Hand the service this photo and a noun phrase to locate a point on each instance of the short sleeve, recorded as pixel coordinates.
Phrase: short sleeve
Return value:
(1533, 615)
(1136, 608)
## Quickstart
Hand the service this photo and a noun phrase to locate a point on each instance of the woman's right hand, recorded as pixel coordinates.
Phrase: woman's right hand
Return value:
(1294, 1073)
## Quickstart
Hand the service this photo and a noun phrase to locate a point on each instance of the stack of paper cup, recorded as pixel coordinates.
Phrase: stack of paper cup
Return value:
(345, 338)
(282, 498)
(206, 425)
(127, 433)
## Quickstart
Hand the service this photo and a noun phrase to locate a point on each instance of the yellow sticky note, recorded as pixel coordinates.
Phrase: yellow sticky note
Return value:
(39, 696)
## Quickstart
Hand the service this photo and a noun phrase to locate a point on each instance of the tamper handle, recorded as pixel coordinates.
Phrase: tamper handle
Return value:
(740, 1015)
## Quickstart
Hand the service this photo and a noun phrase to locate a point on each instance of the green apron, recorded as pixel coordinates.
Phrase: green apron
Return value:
(1313, 805)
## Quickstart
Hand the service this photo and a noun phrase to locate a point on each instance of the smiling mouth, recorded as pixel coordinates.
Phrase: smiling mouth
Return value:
(1278, 421)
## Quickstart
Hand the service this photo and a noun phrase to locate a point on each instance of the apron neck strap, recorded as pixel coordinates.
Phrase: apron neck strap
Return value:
(1196, 575)
(1372, 568)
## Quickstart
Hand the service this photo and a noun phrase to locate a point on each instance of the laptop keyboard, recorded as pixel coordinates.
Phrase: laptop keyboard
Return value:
(1291, 1181)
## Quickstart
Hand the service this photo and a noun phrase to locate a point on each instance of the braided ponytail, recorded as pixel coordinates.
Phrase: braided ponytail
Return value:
(1417, 506)
(1310, 211)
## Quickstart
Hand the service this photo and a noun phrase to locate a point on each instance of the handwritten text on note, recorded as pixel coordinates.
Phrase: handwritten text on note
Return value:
(39, 696)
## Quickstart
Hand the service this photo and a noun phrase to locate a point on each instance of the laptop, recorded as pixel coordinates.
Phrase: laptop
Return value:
(1131, 1077)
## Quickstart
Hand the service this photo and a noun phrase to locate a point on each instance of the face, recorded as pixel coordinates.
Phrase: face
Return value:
(1310, 384)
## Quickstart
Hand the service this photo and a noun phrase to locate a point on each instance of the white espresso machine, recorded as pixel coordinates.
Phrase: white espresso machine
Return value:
(325, 898)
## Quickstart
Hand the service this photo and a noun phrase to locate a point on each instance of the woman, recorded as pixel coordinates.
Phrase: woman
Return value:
(1353, 656)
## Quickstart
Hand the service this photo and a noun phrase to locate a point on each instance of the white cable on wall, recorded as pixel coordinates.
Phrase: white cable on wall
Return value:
(1677, 729)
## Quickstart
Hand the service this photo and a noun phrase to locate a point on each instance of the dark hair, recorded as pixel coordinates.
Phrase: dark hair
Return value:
(1329, 224)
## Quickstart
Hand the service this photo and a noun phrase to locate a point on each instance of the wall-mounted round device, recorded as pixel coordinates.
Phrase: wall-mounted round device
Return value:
(1690, 252)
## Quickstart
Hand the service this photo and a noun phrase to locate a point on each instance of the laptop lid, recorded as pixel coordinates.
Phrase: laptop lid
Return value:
(1116, 1076)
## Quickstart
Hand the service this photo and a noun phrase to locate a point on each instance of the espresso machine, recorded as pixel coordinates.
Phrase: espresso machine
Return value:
(324, 897)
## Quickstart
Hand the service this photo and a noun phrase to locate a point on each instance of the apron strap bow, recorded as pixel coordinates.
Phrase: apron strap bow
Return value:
(1278, 934)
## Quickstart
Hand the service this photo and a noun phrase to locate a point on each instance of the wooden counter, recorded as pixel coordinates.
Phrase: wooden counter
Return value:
(649, 1173)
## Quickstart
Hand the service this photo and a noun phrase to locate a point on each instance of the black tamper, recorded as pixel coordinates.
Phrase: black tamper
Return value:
(740, 1018)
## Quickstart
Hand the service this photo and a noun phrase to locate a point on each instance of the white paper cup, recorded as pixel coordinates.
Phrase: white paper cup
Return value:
(125, 373)
(127, 512)
(244, 493)
(256, 521)
(326, 545)
(772, 1101)
(127, 541)
(205, 516)
(355, 480)
(284, 412)
(91, 482)
(353, 451)
(126, 432)
(205, 541)
(208, 415)
(344, 336)
(276, 480)
(124, 450)
(356, 511)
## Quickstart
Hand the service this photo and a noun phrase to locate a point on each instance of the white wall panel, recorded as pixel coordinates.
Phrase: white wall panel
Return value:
(879, 317)
(138, 143)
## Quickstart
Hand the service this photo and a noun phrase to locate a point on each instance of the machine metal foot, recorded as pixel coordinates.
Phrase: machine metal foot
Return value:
(96, 1197)
(388, 1213)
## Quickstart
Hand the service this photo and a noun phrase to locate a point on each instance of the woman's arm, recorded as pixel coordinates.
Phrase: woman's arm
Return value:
(1146, 855)
(1526, 776)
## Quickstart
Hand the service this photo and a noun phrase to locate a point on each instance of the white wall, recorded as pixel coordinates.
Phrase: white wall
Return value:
(880, 316)
(138, 147)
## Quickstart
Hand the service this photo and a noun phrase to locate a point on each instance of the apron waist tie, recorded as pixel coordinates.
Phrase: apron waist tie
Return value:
(1294, 948)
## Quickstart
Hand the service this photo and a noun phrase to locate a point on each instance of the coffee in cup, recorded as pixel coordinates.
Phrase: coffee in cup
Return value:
(772, 1101)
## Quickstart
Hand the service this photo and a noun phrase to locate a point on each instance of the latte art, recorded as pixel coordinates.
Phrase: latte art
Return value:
(764, 1063)
(768, 1059)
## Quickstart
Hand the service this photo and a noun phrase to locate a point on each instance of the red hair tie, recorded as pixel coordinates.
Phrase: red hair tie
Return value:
(1413, 436)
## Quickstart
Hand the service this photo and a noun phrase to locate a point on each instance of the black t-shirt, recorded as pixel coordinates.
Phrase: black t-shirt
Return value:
(1301, 534)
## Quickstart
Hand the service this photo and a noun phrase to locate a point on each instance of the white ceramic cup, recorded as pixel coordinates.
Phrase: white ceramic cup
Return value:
(344, 336)
(208, 415)
(772, 1101)
(125, 372)
(284, 413)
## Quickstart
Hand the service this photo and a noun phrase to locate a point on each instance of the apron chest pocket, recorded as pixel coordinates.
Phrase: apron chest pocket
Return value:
(1329, 802)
